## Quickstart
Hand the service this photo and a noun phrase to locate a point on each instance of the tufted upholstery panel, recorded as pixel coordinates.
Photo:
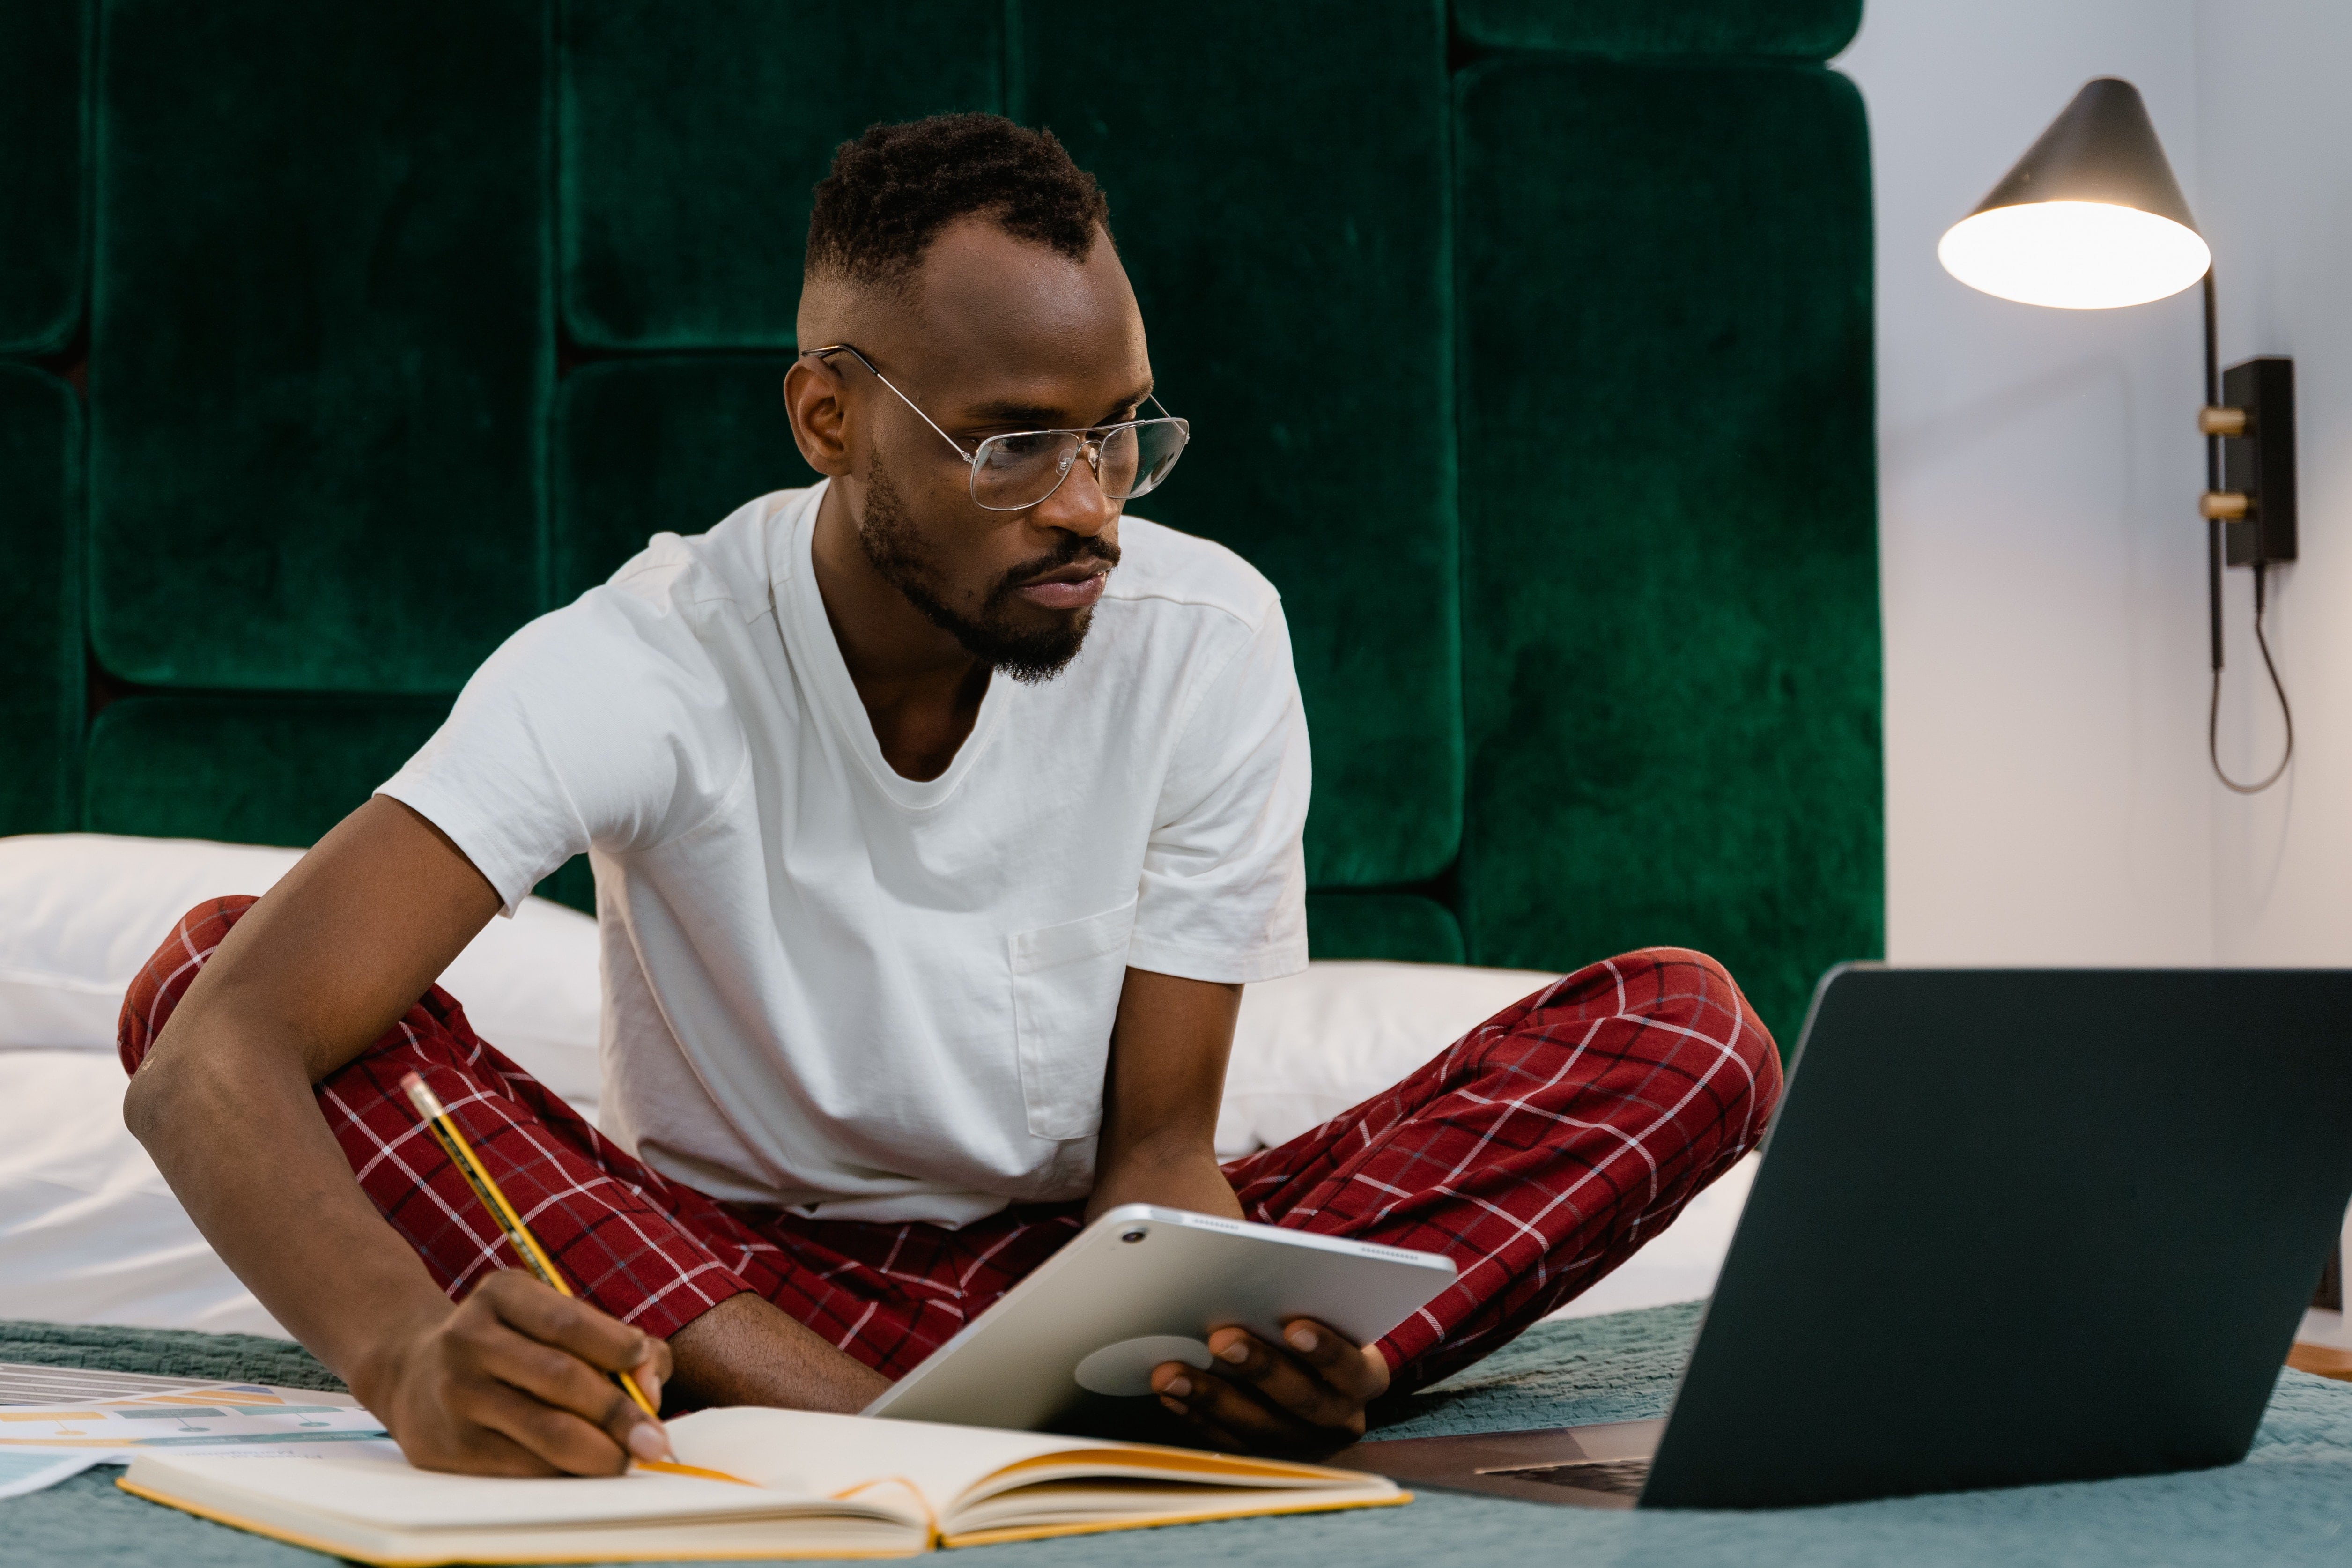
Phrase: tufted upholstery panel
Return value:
(1526, 345)
(1669, 518)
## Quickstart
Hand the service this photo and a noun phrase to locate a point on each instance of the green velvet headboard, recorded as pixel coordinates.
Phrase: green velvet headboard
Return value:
(1526, 344)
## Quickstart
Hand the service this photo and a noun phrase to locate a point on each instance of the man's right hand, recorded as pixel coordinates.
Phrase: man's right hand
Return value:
(512, 1381)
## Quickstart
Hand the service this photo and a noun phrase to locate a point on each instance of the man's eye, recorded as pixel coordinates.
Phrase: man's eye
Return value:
(1027, 447)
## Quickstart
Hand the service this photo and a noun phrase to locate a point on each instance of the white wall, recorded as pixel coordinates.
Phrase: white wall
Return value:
(2274, 158)
(2043, 562)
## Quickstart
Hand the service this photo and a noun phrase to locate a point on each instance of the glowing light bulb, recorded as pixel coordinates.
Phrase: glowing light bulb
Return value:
(2076, 256)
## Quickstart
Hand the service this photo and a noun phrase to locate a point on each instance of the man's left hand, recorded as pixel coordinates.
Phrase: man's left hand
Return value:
(1305, 1397)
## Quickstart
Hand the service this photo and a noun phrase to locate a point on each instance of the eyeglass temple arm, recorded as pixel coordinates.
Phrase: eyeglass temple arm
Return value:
(851, 350)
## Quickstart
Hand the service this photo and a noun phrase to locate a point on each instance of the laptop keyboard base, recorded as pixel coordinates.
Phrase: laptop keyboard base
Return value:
(1618, 1477)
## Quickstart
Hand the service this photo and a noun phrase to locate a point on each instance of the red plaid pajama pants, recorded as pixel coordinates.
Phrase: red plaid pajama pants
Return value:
(1539, 1152)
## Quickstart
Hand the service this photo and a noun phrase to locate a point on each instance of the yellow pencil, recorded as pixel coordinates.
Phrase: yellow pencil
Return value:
(443, 1127)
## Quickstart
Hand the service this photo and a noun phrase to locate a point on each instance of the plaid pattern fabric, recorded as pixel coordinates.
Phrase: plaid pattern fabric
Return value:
(1539, 1152)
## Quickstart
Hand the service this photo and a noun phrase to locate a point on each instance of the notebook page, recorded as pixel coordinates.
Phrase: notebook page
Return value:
(1055, 1507)
(952, 1467)
(808, 1451)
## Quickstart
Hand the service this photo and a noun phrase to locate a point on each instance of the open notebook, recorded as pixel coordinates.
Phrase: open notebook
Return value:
(820, 1485)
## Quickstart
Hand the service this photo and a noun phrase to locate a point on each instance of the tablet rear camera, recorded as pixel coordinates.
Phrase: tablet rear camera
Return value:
(1135, 1235)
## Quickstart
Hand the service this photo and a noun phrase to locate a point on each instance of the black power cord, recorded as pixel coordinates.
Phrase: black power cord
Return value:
(2213, 713)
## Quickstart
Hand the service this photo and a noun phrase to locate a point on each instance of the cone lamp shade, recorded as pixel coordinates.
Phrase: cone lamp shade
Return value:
(2089, 219)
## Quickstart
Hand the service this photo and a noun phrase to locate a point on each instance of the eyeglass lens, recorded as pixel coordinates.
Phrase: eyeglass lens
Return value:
(1010, 472)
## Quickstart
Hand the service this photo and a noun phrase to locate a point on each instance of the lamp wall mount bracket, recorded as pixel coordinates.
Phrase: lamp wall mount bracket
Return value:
(2257, 460)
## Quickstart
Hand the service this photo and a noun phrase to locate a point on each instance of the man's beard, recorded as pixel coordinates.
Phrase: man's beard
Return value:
(887, 533)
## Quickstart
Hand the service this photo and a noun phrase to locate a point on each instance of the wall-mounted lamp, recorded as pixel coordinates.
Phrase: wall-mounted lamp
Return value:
(2091, 219)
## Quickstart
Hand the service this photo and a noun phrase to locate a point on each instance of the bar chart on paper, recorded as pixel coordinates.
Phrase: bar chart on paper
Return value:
(75, 1423)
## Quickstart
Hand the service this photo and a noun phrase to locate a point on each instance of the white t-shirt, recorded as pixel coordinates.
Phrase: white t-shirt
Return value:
(835, 988)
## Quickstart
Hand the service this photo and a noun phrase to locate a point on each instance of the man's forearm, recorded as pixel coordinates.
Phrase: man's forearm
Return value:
(237, 1133)
(1174, 1174)
(1160, 1098)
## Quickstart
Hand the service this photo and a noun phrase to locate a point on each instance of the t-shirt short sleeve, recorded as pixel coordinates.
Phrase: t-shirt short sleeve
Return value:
(1224, 896)
(578, 733)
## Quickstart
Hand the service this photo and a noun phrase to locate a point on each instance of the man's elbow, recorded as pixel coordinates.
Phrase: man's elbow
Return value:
(145, 1102)
(189, 1061)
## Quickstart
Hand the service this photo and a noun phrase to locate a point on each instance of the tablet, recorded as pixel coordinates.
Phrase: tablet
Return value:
(1145, 1285)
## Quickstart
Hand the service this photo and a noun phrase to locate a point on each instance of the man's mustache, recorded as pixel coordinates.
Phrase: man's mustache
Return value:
(1081, 547)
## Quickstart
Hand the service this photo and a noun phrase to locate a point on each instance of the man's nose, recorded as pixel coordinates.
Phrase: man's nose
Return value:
(1079, 506)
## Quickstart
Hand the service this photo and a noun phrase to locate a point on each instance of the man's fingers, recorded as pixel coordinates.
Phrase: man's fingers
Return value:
(488, 1453)
(553, 1371)
(467, 1447)
(563, 1441)
(1339, 1361)
(1282, 1379)
(603, 1342)
(1191, 1395)
(1257, 1426)
(1235, 1413)
(653, 1370)
(496, 1350)
(496, 1453)
(1213, 1436)
(569, 1383)
(649, 1379)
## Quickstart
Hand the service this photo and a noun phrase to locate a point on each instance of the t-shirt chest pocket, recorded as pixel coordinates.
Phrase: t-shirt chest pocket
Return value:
(1065, 986)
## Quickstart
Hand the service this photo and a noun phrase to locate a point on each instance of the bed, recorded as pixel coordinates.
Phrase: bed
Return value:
(89, 1234)
(2288, 1504)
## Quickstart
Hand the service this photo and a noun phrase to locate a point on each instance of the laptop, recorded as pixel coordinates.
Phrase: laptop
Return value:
(2011, 1227)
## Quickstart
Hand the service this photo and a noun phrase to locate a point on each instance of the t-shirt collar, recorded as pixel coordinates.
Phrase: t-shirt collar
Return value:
(810, 646)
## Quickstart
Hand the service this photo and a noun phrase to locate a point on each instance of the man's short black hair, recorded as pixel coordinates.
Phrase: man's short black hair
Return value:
(894, 189)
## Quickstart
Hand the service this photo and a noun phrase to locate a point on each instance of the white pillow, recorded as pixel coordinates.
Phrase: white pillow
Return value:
(1309, 1047)
(88, 1232)
(80, 912)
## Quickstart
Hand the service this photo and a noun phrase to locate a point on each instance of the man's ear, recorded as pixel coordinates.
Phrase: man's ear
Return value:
(819, 417)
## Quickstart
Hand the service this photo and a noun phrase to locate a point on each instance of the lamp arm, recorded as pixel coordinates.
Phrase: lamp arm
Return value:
(2212, 478)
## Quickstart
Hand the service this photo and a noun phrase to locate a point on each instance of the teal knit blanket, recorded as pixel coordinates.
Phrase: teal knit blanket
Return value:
(2290, 1502)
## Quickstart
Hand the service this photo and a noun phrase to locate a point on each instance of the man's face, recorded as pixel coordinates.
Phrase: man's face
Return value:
(999, 335)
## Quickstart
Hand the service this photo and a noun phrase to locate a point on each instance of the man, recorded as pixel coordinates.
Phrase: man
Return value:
(939, 813)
